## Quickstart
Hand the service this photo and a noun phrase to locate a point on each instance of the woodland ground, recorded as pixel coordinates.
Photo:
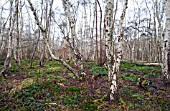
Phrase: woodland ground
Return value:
(54, 88)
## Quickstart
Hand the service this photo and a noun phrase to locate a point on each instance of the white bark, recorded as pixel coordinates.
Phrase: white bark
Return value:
(166, 49)
(108, 32)
(7, 62)
(2, 46)
(72, 24)
(113, 61)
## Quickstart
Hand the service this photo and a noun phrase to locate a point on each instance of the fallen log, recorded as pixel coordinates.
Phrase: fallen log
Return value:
(153, 64)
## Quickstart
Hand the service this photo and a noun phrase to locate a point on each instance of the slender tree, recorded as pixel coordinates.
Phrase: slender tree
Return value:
(166, 47)
(102, 52)
(7, 62)
(73, 45)
(2, 46)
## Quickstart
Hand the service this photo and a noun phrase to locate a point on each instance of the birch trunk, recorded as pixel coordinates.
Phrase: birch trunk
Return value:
(42, 57)
(113, 61)
(102, 61)
(166, 48)
(108, 26)
(97, 55)
(2, 47)
(7, 62)
(34, 49)
(72, 24)
(18, 45)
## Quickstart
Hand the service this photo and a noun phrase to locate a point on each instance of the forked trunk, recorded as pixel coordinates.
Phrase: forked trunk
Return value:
(113, 60)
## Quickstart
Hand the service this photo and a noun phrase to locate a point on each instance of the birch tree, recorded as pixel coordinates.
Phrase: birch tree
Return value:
(7, 62)
(113, 60)
(102, 55)
(73, 45)
(18, 33)
(166, 48)
(75, 72)
(2, 45)
(96, 14)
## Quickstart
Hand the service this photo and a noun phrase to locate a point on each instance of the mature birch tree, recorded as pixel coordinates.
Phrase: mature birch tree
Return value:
(166, 47)
(113, 60)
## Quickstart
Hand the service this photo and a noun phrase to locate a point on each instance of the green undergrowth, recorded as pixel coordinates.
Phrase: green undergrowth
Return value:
(14, 69)
(126, 65)
(1, 62)
(91, 63)
(34, 97)
(99, 70)
(138, 67)
(143, 70)
(130, 77)
(53, 87)
(133, 100)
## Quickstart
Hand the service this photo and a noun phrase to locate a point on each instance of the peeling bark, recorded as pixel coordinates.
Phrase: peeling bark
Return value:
(108, 26)
(113, 60)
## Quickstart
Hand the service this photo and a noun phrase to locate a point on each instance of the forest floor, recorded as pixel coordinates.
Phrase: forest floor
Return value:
(54, 88)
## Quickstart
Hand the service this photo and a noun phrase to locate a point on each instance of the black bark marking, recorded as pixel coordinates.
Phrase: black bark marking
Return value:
(168, 60)
(165, 43)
